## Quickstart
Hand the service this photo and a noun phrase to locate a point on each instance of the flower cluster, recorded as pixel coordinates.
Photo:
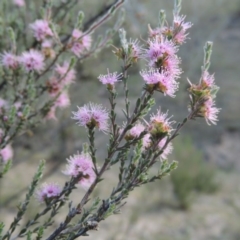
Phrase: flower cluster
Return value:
(159, 81)
(92, 116)
(81, 166)
(32, 60)
(134, 132)
(41, 29)
(166, 150)
(160, 125)
(80, 43)
(177, 32)
(156, 131)
(19, 3)
(161, 55)
(110, 79)
(57, 86)
(202, 98)
(130, 51)
(48, 191)
(6, 153)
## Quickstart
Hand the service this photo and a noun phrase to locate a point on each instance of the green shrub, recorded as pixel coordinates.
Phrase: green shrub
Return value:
(193, 173)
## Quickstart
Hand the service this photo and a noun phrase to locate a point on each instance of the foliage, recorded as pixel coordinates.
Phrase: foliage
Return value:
(194, 173)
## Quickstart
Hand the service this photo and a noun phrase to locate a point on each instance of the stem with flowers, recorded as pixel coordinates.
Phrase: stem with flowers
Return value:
(35, 71)
(135, 146)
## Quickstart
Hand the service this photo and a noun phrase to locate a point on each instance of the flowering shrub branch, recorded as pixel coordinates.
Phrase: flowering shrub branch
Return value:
(35, 75)
(135, 146)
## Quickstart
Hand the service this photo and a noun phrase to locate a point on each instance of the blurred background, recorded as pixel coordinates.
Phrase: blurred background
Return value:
(201, 199)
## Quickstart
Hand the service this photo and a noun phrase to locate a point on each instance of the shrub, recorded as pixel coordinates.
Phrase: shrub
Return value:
(135, 146)
(194, 174)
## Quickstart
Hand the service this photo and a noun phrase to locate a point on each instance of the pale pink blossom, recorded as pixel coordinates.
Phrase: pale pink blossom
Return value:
(110, 78)
(17, 105)
(54, 86)
(81, 165)
(6, 153)
(41, 29)
(32, 60)
(63, 100)
(66, 75)
(134, 132)
(51, 113)
(207, 79)
(210, 112)
(158, 49)
(171, 66)
(149, 76)
(168, 64)
(92, 115)
(153, 33)
(180, 28)
(9, 60)
(48, 191)
(46, 43)
(19, 3)
(162, 81)
(136, 49)
(160, 124)
(167, 150)
(80, 44)
(146, 141)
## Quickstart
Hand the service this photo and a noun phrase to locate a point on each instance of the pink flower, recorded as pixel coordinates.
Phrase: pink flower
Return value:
(134, 132)
(150, 76)
(137, 130)
(162, 81)
(6, 153)
(171, 66)
(18, 105)
(9, 60)
(46, 44)
(48, 191)
(160, 125)
(146, 141)
(207, 80)
(136, 49)
(66, 75)
(51, 113)
(80, 44)
(62, 101)
(19, 3)
(153, 33)
(160, 49)
(92, 115)
(81, 164)
(168, 149)
(180, 28)
(110, 78)
(32, 60)
(41, 29)
(209, 112)
(54, 86)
